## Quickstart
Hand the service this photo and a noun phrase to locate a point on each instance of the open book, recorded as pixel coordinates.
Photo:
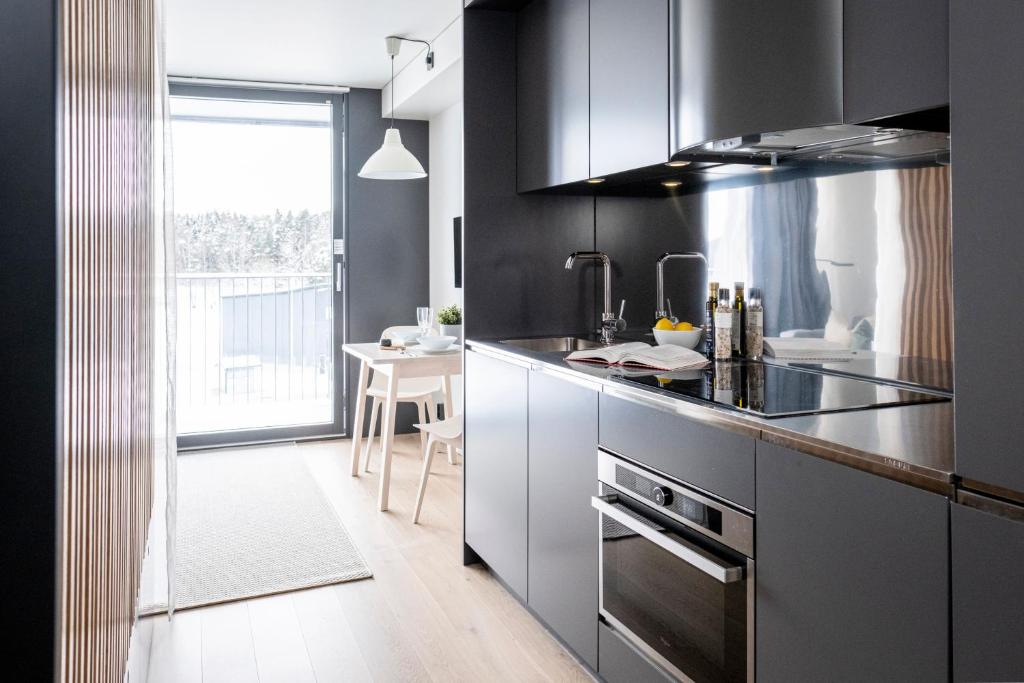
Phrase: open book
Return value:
(641, 355)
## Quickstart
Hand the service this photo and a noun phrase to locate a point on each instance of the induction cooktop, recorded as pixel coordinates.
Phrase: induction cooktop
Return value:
(773, 391)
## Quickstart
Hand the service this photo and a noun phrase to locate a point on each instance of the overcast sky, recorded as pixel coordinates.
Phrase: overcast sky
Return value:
(250, 169)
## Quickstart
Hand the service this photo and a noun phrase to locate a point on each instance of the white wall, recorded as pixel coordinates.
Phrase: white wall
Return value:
(445, 203)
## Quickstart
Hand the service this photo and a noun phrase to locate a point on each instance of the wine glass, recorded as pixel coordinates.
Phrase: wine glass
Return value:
(425, 318)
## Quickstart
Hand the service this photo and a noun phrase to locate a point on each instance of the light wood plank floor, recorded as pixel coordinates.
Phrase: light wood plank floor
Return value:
(423, 617)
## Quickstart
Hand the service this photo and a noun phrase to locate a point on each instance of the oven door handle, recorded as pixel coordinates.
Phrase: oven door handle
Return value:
(723, 572)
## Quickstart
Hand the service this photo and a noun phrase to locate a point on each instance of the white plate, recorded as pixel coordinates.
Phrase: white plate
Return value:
(438, 352)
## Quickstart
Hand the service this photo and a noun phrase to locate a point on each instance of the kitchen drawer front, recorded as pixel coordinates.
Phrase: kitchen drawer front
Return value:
(716, 460)
(620, 662)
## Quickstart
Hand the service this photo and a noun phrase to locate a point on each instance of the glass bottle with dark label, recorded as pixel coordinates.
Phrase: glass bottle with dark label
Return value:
(739, 323)
(709, 320)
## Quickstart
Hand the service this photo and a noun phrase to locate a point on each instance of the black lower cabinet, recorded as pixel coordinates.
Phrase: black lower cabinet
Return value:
(496, 466)
(988, 596)
(623, 663)
(852, 574)
(563, 527)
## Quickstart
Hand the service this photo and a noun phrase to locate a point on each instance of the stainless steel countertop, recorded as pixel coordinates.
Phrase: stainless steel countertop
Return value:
(911, 444)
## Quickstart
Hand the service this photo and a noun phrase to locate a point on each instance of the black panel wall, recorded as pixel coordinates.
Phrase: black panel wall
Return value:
(29, 337)
(515, 246)
(388, 235)
(635, 232)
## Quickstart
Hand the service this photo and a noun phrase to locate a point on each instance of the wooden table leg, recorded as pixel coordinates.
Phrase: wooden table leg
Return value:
(446, 386)
(387, 436)
(357, 418)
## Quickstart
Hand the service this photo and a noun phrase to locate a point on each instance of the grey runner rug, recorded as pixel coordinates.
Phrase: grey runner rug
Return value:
(254, 522)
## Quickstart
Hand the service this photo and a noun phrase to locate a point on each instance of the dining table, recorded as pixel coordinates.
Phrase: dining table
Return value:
(395, 364)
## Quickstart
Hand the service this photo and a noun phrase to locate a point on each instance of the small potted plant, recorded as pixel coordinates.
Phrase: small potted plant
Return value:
(450, 320)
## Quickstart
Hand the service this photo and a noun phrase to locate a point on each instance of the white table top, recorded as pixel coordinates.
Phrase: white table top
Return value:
(370, 352)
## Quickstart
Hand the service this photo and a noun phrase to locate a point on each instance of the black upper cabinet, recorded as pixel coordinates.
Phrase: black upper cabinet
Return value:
(629, 84)
(895, 57)
(986, 91)
(553, 94)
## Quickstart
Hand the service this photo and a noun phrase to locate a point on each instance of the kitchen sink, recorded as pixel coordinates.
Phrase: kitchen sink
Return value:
(553, 344)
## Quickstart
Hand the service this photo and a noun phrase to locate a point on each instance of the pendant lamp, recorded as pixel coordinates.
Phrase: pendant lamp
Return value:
(392, 161)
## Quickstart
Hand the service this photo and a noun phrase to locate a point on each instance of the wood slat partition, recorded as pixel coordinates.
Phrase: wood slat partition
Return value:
(107, 91)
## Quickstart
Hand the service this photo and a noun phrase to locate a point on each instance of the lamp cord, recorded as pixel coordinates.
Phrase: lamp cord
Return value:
(392, 91)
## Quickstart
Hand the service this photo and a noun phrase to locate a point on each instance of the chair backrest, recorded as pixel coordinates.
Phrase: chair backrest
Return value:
(390, 332)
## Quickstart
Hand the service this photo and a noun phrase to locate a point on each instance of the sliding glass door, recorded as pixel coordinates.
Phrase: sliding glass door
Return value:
(260, 314)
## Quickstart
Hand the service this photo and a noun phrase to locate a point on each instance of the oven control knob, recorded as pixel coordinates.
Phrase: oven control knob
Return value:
(662, 495)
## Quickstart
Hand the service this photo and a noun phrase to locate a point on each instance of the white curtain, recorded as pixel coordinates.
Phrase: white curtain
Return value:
(165, 310)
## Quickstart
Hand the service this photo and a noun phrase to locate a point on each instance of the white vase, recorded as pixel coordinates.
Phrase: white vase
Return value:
(452, 331)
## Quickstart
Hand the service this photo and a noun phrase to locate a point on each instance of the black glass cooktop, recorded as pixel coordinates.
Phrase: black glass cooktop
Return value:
(775, 391)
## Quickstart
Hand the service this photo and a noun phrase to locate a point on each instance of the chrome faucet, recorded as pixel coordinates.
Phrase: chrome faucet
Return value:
(668, 255)
(610, 323)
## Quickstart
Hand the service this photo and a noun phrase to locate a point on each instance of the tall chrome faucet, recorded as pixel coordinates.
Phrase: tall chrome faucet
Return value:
(610, 322)
(667, 256)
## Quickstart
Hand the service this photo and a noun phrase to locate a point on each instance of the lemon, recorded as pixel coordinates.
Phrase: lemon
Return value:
(684, 327)
(663, 324)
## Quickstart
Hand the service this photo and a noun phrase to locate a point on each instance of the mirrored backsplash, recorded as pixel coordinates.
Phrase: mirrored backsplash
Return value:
(863, 260)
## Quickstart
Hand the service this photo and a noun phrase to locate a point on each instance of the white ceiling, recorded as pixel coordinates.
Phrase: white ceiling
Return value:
(298, 41)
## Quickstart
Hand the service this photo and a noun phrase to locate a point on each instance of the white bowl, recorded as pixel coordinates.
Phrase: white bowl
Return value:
(687, 338)
(438, 343)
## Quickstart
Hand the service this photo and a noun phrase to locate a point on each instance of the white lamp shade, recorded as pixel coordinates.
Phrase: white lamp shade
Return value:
(392, 161)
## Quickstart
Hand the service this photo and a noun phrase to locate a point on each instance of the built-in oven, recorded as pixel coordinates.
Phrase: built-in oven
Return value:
(677, 573)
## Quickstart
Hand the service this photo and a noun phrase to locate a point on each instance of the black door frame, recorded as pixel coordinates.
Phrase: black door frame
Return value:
(339, 265)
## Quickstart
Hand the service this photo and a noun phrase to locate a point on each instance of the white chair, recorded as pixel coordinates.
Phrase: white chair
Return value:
(447, 432)
(418, 390)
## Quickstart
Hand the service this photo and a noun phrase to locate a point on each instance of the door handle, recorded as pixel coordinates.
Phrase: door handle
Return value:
(692, 555)
(337, 276)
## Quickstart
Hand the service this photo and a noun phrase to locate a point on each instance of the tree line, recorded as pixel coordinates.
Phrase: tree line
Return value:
(225, 242)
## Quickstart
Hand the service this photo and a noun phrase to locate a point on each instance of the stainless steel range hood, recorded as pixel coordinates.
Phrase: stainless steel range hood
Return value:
(763, 82)
(847, 143)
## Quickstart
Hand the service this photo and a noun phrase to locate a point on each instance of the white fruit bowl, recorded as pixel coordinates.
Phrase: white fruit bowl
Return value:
(687, 338)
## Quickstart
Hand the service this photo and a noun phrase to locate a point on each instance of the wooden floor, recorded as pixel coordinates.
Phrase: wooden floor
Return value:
(423, 617)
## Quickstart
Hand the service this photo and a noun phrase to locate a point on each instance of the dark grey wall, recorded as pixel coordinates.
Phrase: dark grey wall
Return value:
(515, 246)
(635, 232)
(29, 336)
(388, 235)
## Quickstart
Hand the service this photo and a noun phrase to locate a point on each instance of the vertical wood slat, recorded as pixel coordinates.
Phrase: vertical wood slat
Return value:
(108, 78)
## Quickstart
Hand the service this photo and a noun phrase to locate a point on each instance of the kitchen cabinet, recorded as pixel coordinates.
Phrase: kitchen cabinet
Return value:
(563, 527)
(852, 574)
(496, 466)
(716, 460)
(988, 595)
(552, 94)
(986, 91)
(895, 57)
(623, 663)
(629, 85)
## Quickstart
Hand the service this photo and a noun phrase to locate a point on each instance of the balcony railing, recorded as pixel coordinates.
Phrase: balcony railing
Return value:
(254, 350)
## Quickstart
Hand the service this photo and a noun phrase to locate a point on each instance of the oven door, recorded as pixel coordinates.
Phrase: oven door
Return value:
(682, 599)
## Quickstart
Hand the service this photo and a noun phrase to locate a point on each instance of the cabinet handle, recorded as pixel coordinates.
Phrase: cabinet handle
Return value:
(697, 558)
